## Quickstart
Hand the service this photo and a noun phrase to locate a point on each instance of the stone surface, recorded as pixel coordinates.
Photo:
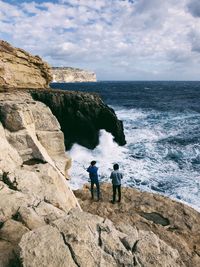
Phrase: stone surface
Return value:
(146, 212)
(82, 239)
(9, 158)
(67, 74)
(7, 255)
(45, 247)
(33, 188)
(81, 116)
(32, 130)
(12, 231)
(19, 69)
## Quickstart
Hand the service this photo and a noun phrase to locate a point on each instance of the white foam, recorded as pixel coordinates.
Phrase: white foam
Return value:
(144, 161)
(106, 154)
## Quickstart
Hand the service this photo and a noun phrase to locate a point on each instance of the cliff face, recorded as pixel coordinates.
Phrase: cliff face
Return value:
(41, 222)
(67, 74)
(33, 189)
(81, 116)
(20, 69)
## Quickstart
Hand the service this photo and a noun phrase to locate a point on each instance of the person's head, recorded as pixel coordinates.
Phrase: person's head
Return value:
(93, 162)
(116, 166)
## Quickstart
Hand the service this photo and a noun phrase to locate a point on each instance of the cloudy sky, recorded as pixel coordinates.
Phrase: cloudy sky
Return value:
(118, 39)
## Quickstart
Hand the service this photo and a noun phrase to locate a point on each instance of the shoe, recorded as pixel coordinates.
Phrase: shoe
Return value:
(113, 202)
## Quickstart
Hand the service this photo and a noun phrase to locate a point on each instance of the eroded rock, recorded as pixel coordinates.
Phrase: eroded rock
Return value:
(90, 241)
(81, 116)
(19, 69)
(173, 223)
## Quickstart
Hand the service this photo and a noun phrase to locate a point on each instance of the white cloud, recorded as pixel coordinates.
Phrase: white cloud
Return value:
(150, 38)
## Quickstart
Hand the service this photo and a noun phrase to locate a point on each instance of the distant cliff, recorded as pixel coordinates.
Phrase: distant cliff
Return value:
(67, 74)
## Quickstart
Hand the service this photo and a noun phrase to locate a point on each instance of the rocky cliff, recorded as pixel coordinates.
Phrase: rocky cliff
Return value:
(81, 116)
(33, 168)
(20, 69)
(41, 221)
(67, 74)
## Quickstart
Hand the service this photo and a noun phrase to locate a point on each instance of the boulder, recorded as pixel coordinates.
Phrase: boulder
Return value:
(19, 69)
(32, 130)
(12, 231)
(45, 247)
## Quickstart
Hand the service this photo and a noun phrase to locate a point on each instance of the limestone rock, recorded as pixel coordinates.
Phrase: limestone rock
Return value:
(81, 116)
(45, 247)
(12, 231)
(174, 223)
(19, 69)
(67, 74)
(30, 218)
(32, 130)
(9, 157)
(7, 254)
(11, 200)
(89, 240)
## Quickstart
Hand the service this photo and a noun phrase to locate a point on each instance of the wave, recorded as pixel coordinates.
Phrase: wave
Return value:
(149, 161)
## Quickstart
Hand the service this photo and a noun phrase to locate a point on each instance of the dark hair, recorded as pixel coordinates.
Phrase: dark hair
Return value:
(116, 166)
(93, 162)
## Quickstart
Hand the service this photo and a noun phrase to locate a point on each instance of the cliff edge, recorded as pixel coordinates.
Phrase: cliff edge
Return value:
(19, 69)
(68, 75)
(81, 116)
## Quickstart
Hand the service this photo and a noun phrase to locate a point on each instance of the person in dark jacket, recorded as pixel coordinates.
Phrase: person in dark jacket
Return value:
(93, 174)
(116, 177)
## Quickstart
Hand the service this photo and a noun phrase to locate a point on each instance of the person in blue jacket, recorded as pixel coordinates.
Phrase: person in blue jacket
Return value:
(93, 173)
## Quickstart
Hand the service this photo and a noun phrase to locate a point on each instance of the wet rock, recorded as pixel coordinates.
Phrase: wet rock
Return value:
(81, 116)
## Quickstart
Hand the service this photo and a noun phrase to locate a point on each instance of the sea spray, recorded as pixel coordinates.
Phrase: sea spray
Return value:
(106, 154)
(150, 161)
(162, 128)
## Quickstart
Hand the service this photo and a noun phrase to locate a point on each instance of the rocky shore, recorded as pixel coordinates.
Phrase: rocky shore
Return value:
(160, 231)
(42, 222)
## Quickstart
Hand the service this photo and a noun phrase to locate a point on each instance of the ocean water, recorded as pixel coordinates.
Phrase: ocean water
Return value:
(162, 127)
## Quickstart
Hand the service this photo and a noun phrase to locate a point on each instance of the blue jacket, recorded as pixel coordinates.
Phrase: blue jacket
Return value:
(93, 173)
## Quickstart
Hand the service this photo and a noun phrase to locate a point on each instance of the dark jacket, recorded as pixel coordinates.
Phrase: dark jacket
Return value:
(93, 173)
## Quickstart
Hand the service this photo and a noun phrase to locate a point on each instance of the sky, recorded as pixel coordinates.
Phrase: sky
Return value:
(117, 39)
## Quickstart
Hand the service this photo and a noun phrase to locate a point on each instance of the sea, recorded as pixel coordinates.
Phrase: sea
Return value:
(162, 128)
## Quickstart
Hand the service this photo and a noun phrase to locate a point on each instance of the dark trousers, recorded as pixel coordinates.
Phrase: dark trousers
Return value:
(115, 189)
(97, 187)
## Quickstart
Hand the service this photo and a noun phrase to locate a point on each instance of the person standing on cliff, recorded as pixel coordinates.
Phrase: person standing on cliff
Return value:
(93, 173)
(116, 177)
